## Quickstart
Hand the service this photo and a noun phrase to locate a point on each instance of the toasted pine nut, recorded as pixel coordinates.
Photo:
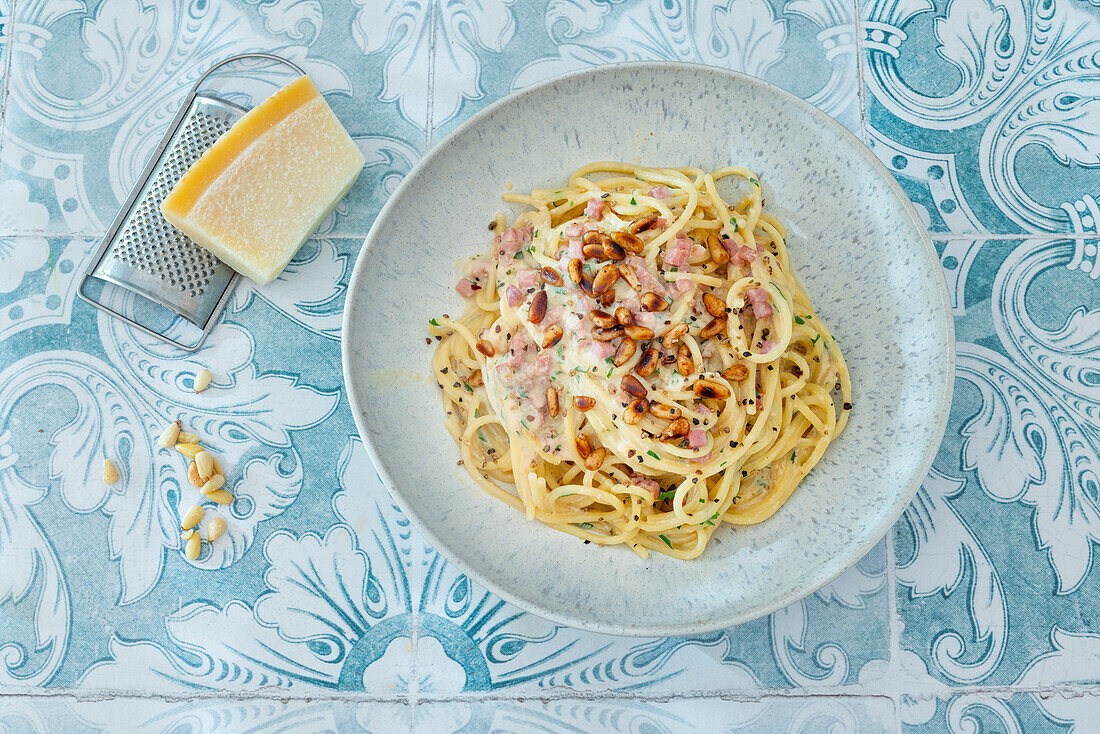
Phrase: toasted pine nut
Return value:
(605, 279)
(642, 223)
(628, 241)
(214, 529)
(653, 302)
(538, 308)
(593, 236)
(586, 284)
(110, 473)
(213, 484)
(603, 251)
(594, 460)
(193, 548)
(705, 388)
(623, 316)
(630, 276)
(714, 305)
(603, 319)
(193, 475)
(647, 363)
(718, 251)
(476, 379)
(633, 412)
(168, 437)
(583, 403)
(205, 464)
(552, 402)
(638, 333)
(186, 437)
(190, 450)
(192, 517)
(677, 428)
(584, 448)
(673, 336)
(633, 386)
(714, 328)
(606, 335)
(552, 335)
(575, 271)
(550, 276)
(626, 350)
(736, 373)
(685, 365)
(668, 412)
(221, 496)
(202, 380)
(607, 299)
(485, 347)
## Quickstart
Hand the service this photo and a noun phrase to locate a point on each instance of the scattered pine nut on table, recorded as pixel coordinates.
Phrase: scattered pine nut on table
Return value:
(202, 380)
(110, 473)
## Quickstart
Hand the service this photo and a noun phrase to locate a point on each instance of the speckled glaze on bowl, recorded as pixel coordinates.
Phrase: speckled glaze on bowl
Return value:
(855, 242)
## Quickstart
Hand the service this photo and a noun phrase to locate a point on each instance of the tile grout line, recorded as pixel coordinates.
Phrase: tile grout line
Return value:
(414, 626)
(429, 103)
(743, 695)
(5, 68)
(893, 621)
(861, 92)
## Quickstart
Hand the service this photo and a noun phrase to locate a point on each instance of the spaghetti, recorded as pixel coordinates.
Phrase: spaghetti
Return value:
(638, 363)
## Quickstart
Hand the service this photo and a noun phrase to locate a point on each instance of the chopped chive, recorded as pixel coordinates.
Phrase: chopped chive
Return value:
(665, 496)
(517, 256)
(799, 320)
(584, 525)
(467, 386)
(667, 541)
(652, 453)
(433, 322)
(632, 201)
(814, 340)
(792, 457)
(609, 372)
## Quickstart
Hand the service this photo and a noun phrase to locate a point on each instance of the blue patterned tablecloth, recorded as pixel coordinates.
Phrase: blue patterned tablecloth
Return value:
(322, 610)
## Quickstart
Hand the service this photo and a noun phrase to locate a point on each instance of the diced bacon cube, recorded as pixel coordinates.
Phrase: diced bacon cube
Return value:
(513, 296)
(677, 255)
(594, 208)
(527, 278)
(697, 438)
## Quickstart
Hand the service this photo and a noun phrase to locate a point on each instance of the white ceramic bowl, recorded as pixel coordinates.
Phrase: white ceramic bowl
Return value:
(855, 242)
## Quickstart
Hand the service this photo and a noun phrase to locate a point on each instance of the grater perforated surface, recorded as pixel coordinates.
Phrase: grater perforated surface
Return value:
(150, 243)
(147, 255)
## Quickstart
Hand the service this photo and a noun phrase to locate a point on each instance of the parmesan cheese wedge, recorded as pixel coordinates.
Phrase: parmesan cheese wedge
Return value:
(254, 196)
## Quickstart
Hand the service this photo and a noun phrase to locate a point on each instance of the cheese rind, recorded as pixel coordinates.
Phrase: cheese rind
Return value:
(254, 197)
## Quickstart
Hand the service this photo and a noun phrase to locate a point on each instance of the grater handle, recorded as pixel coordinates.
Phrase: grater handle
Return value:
(242, 57)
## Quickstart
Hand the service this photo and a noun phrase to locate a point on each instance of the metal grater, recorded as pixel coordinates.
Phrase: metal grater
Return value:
(145, 255)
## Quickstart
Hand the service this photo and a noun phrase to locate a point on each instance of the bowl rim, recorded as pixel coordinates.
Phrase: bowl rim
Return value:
(827, 572)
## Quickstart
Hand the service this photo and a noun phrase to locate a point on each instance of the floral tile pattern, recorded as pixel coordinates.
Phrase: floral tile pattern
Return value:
(805, 46)
(1020, 712)
(324, 610)
(987, 110)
